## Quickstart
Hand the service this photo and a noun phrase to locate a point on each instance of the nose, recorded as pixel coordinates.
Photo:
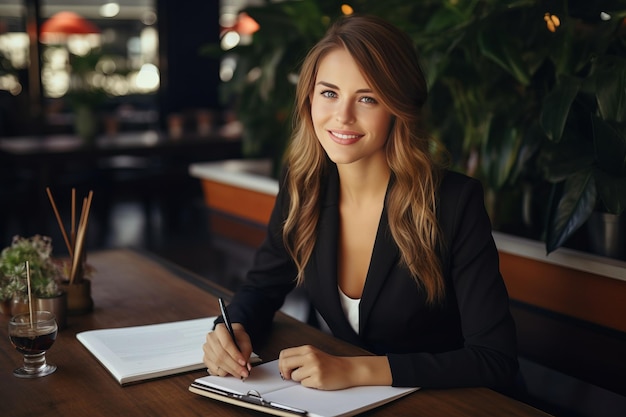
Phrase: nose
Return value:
(345, 113)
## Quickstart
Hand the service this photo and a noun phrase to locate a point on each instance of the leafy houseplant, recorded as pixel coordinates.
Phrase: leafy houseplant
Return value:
(45, 274)
(262, 87)
(538, 93)
(84, 96)
(584, 117)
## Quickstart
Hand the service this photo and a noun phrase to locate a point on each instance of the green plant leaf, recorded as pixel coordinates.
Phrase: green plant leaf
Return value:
(450, 15)
(573, 209)
(611, 89)
(558, 161)
(499, 153)
(556, 107)
(503, 51)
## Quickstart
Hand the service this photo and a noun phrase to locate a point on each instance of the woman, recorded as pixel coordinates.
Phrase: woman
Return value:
(395, 252)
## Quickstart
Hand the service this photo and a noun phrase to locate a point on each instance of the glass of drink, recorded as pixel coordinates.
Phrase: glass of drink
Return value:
(32, 339)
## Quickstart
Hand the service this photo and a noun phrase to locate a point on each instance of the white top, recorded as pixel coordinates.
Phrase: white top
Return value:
(350, 308)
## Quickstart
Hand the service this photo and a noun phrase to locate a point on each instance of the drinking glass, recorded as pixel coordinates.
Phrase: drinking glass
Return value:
(32, 339)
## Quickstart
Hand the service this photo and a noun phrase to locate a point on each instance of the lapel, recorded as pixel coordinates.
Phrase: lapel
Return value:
(324, 284)
(384, 258)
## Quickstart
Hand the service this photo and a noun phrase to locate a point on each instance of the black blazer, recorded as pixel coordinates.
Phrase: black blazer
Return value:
(469, 340)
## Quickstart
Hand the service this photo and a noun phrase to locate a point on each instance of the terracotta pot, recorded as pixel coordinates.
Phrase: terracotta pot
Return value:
(79, 299)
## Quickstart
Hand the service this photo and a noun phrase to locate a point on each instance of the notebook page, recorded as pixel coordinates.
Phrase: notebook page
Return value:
(347, 402)
(141, 352)
(263, 379)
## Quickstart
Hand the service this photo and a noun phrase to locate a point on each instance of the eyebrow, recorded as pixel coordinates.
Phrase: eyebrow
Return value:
(333, 86)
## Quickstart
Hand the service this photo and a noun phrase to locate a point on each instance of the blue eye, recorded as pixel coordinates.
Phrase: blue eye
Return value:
(329, 94)
(368, 100)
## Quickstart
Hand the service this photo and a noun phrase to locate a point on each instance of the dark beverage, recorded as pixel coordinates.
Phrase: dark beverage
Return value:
(29, 341)
(33, 334)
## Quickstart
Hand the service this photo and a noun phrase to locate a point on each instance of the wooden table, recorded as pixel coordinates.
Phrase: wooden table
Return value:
(136, 288)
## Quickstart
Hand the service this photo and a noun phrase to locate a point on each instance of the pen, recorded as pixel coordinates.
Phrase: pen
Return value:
(228, 324)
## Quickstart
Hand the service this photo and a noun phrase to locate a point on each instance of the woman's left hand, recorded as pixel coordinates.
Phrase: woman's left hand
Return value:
(316, 369)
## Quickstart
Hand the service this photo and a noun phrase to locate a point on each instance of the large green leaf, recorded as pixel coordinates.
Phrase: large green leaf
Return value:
(611, 90)
(451, 15)
(573, 209)
(503, 51)
(499, 153)
(556, 107)
(558, 161)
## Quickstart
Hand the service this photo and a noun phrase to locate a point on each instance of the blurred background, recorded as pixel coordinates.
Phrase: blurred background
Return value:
(122, 97)
(526, 96)
(111, 96)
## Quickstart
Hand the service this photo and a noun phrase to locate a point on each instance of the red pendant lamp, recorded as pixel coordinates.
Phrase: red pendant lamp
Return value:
(67, 23)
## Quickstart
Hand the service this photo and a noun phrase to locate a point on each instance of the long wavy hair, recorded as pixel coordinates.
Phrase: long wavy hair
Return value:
(389, 63)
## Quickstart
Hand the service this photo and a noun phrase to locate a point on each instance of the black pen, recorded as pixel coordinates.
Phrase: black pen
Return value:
(229, 326)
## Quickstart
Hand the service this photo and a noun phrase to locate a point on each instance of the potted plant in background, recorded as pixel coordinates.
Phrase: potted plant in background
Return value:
(262, 87)
(538, 94)
(85, 95)
(45, 276)
(584, 118)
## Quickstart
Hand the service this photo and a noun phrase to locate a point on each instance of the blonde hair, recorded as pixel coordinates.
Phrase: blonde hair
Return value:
(390, 65)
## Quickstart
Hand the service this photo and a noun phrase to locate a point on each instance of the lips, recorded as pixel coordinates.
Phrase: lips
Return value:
(343, 137)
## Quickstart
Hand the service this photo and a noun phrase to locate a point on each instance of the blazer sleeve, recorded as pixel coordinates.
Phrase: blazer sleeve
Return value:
(470, 260)
(270, 279)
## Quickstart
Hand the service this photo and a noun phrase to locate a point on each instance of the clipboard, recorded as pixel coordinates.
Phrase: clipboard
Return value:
(264, 390)
(252, 400)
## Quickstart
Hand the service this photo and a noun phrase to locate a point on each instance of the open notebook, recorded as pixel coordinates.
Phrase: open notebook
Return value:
(137, 353)
(266, 391)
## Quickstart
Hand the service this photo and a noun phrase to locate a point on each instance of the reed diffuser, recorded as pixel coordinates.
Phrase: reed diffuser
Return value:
(77, 286)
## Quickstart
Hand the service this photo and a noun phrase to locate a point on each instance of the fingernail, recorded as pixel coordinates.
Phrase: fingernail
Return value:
(281, 376)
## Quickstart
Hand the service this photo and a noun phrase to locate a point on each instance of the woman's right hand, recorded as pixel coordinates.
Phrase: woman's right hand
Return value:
(222, 357)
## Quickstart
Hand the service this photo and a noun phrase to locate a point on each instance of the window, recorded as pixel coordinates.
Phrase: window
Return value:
(91, 53)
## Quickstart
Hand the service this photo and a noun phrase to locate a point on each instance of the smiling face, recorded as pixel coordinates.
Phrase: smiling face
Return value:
(350, 122)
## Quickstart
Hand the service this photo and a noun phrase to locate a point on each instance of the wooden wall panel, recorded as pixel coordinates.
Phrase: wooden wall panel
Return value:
(247, 204)
(582, 295)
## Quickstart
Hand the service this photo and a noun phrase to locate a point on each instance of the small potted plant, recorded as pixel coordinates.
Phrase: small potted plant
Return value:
(44, 272)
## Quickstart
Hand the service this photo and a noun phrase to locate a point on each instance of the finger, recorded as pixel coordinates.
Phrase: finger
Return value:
(291, 359)
(217, 372)
(208, 349)
(216, 358)
(230, 359)
(226, 341)
(243, 340)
